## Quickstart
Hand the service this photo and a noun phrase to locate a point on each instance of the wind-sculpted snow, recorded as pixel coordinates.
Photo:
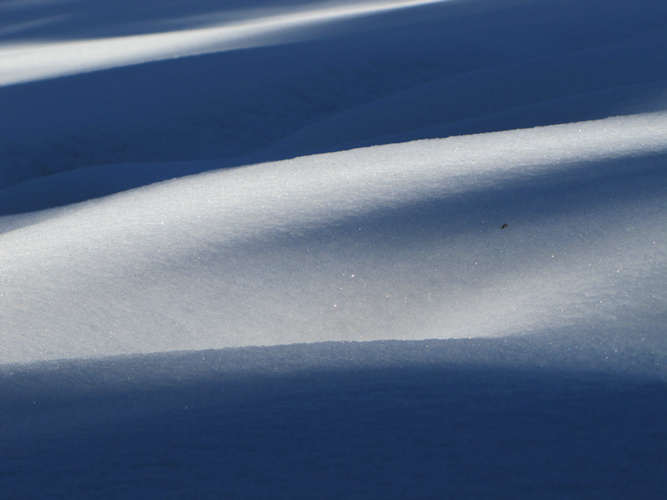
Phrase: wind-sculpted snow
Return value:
(133, 90)
(30, 62)
(403, 242)
(309, 249)
(580, 412)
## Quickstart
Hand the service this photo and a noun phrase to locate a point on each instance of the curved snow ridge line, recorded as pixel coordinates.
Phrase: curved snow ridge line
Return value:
(421, 106)
(39, 61)
(261, 202)
(246, 202)
(347, 246)
(629, 100)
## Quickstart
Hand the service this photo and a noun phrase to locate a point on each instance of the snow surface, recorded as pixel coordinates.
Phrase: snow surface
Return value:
(305, 249)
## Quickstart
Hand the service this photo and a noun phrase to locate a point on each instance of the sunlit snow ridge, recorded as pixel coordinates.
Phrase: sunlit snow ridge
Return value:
(38, 61)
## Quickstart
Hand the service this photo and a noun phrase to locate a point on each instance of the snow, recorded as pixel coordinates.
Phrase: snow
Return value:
(397, 249)
(29, 62)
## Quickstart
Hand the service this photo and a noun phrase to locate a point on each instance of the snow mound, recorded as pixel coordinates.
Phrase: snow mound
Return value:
(486, 235)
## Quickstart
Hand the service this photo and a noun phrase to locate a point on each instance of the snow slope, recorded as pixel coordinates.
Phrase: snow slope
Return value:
(437, 70)
(400, 241)
(397, 249)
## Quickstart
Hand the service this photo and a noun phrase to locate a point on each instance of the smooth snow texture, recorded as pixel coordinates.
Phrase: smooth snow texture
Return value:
(428, 71)
(403, 419)
(393, 242)
(29, 62)
(307, 249)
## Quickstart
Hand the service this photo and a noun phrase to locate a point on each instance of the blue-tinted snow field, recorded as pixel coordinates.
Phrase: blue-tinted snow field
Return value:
(333, 249)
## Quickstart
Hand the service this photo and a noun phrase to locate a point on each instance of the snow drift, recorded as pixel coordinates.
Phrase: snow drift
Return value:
(397, 249)
(393, 242)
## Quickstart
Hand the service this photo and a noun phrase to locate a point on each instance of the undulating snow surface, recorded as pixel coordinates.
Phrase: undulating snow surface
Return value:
(401, 241)
(307, 249)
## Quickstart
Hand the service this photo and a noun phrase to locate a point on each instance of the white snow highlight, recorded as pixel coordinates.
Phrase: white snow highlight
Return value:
(336, 247)
(31, 62)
